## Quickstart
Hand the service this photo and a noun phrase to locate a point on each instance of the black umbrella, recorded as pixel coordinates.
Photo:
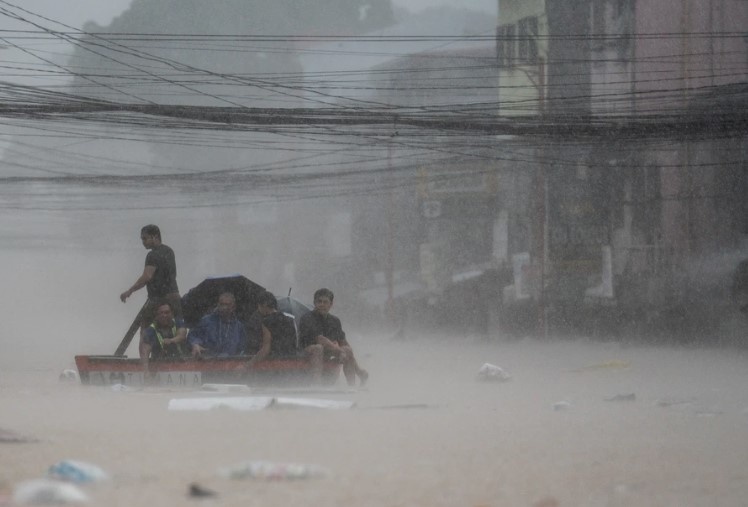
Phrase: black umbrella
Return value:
(293, 306)
(202, 299)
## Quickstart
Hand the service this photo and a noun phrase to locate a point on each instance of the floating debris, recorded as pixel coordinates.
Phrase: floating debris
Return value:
(622, 397)
(122, 388)
(254, 403)
(69, 375)
(708, 413)
(11, 437)
(269, 471)
(493, 373)
(249, 403)
(312, 403)
(48, 491)
(607, 365)
(226, 388)
(402, 406)
(197, 491)
(561, 405)
(675, 402)
(77, 471)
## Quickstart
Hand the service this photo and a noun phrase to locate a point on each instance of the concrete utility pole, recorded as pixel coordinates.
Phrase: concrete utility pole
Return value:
(541, 214)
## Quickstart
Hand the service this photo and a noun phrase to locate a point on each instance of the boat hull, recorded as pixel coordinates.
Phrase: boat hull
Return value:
(189, 372)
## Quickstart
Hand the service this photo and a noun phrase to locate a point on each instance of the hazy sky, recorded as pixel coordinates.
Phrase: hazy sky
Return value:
(76, 12)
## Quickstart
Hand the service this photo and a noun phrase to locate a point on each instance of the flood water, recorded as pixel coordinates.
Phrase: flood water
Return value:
(423, 432)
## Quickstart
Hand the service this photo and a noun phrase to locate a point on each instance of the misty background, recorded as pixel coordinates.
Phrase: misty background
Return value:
(77, 193)
(369, 147)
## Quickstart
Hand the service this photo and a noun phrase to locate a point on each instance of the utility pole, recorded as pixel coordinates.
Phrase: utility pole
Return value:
(541, 215)
(390, 261)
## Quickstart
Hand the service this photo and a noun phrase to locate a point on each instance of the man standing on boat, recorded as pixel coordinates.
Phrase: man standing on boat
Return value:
(159, 277)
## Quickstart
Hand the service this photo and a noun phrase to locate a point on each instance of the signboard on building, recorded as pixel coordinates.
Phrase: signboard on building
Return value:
(578, 223)
(457, 179)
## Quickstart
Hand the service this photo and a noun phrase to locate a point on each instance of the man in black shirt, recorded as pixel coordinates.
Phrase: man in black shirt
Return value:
(159, 277)
(278, 331)
(740, 286)
(320, 327)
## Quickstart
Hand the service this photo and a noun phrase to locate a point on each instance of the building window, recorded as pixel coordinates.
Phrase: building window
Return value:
(505, 36)
(527, 42)
(517, 43)
(509, 52)
(500, 36)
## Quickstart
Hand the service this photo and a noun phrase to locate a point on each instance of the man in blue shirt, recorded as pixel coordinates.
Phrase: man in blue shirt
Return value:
(219, 333)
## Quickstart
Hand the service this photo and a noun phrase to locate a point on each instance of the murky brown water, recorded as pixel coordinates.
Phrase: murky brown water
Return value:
(425, 432)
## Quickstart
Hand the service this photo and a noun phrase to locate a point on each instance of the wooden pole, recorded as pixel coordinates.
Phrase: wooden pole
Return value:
(130, 332)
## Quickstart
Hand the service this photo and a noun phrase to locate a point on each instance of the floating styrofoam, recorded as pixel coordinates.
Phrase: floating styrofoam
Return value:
(494, 373)
(246, 403)
(313, 403)
(253, 403)
(48, 491)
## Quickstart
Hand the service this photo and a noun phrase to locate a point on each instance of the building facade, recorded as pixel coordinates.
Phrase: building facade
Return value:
(630, 231)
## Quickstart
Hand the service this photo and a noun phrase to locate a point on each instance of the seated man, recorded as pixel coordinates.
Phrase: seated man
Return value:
(219, 333)
(278, 330)
(320, 327)
(253, 326)
(165, 337)
(739, 287)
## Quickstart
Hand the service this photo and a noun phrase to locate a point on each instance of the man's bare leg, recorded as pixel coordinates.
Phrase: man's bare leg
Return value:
(351, 368)
(314, 353)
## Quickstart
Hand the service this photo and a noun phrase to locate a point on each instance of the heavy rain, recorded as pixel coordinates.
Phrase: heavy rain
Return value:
(532, 215)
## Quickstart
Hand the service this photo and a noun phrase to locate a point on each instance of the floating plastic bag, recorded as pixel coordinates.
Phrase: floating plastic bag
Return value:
(69, 375)
(562, 405)
(491, 372)
(47, 491)
(77, 471)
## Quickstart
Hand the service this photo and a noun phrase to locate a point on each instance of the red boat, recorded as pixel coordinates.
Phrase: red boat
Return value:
(190, 372)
